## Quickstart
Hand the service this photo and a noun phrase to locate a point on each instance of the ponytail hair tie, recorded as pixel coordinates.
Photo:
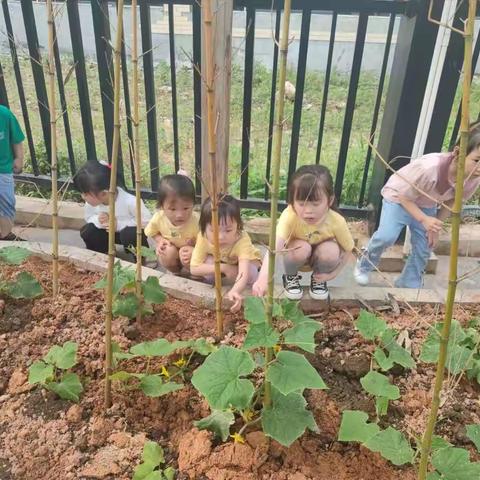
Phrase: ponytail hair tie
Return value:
(182, 172)
(106, 164)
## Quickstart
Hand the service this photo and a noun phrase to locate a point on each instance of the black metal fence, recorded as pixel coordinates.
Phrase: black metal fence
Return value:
(396, 112)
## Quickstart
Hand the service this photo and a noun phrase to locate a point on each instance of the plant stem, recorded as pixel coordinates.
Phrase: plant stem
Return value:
(53, 133)
(112, 192)
(212, 146)
(452, 276)
(276, 157)
(136, 160)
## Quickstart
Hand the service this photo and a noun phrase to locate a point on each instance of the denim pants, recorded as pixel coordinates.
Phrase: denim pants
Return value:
(392, 220)
(7, 196)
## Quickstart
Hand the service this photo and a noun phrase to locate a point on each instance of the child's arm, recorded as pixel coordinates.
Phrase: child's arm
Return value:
(161, 243)
(431, 224)
(235, 293)
(18, 156)
(259, 288)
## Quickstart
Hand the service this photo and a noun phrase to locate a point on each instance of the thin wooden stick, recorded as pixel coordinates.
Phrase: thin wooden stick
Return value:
(136, 160)
(276, 157)
(452, 276)
(112, 193)
(212, 150)
(53, 135)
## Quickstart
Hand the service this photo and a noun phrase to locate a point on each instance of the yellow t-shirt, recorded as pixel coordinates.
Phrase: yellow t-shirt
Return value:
(290, 227)
(242, 249)
(179, 236)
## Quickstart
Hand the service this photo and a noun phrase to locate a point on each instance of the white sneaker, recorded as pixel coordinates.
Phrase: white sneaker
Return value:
(362, 278)
(293, 289)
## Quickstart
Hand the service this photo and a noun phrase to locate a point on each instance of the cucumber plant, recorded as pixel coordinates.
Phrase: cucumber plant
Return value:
(52, 372)
(232, 379)
(151, 468)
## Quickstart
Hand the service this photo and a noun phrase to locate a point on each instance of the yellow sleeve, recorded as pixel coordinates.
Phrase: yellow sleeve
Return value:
(200, 251)
(286, 224)
(244, 249)
(153, 226)
(342, 234)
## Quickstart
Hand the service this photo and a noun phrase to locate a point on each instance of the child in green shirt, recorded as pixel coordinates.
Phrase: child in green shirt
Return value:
(11, 161)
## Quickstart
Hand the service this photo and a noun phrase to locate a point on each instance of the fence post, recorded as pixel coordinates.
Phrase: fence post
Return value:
(408, 80)
(222, 39)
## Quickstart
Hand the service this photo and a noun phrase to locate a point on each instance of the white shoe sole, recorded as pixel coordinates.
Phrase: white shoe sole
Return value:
(360, 279)
(319, 296)
(293, 296)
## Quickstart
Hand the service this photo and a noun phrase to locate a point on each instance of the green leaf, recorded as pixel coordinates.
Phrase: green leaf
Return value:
(355, 427)
(377, 384)
(152, 291)
(369, 325)
(218, 422)
(155, 475)
(40, 372)
(277, 310)
(431, 346)
(392, 445)
(434, 476)
(254, 310)
(125, 305)
(119, 354)
(24, 286)
(68, 388)
(458, 359)
(143, 470)
(292, 312)
(292, 372)
(473, 433)
(14, 255)
(397, 354)
(203, 347)
(121, 376)
(381, 406)
(302, 335)
(454, 464)
(146, 252)
(153, 453)
(218, 378)
(261, 335)
(439, 442)
(291, 407)
(385, 363)
(153, 386)
(154, 348)
(169, 473)
(122, 277)
(63, 357)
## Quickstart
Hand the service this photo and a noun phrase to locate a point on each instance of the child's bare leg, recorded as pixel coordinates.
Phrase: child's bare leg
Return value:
(185, 255)
(298, 254)
(326, 256)
(169, 259)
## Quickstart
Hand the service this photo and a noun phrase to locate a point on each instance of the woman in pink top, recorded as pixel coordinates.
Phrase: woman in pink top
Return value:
(404, 205)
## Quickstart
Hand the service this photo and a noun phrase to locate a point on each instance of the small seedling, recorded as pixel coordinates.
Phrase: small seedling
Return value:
(229, 378)
(51, 372)
(151, 467)
(380, 387)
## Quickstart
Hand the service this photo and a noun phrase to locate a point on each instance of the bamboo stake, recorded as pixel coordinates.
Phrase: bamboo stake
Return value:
(112, 193)
(212, 146)
(276, 157)
(53, 134)
(136, 160)
(452, 277)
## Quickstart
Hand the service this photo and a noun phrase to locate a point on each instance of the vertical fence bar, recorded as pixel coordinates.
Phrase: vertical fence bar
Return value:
(19, 82)
(247, 99)
(37, 70)
(173, 77)
(81, 77)
(326, 85)
(3, 89)
(197, 92)
(63, 105)
(376, 108)
(149, 81)
(299, 87)
(350, 107)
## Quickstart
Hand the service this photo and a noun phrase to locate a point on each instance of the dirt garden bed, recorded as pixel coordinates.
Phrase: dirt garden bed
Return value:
(43, 437)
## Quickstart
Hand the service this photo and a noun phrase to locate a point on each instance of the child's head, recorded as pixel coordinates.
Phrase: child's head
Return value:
(472, 160)
(229, 219)
(176, 197)
(92, 181)
(311, 192)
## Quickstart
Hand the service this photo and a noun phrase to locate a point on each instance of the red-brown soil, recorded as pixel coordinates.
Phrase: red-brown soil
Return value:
(43, 437)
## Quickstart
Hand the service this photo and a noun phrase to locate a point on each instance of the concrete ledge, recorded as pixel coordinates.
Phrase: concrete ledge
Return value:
(204, 295)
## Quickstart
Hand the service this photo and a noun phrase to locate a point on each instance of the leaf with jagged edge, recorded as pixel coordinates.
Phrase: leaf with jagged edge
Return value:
(254, 310)
(392, 445)
(473, 433)
(218, 422)
(153, 453)
(63, 357)
(369, 325)
(152, 291)
(154, 348)
(260, 335)
(154, 386)
(125, 305)
(40, 372)
(14, 255)
(454, 464)
(378, 385)
(68, 388)
(24, 286)
(123, 277)
(355, 427)
(302, 335)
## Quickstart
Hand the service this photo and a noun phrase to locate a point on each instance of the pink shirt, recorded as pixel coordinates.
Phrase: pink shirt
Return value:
(430, 174)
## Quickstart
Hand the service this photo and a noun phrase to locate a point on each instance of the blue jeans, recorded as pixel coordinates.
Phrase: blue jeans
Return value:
(7, 196)
(392, 220)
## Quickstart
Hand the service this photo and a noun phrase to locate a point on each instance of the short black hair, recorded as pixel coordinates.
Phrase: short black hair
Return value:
(92, 177)
(228, 207)
(176, 184)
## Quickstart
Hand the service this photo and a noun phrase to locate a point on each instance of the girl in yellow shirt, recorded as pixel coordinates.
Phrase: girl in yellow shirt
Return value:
(174, 227)
(312, 235)
(240, 260)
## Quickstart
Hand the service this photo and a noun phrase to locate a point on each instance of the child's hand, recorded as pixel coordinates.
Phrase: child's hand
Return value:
(432, 224)
(259, 288)
(185, 254)
(17, 165)
(237, 300)
(162, 245)
(103, 219)
(432, 239)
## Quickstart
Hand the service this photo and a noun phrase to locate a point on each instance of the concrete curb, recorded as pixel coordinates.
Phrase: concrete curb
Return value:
(204, 295)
